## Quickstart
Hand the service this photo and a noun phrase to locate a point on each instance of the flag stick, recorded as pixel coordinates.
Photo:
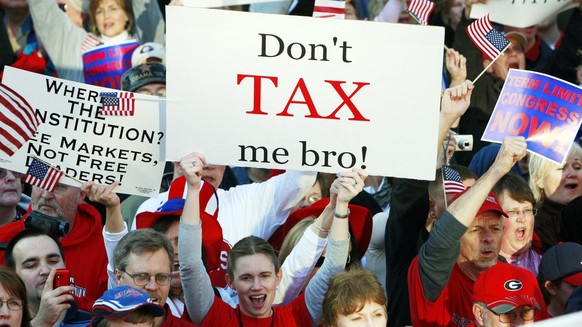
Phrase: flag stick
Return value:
(49, 164)
(419, 23)
(491, 63)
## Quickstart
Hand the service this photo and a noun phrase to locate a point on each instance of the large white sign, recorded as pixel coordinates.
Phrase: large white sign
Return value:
(83, 144)
(290, 92)
(520, 13)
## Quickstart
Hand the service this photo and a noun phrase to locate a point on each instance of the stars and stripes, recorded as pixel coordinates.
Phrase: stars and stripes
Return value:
(117, 104)
(89, 43)
(421, 10)
(329, 9)
(486, 38)
(452, 181)
(18, 121)
(42, 175)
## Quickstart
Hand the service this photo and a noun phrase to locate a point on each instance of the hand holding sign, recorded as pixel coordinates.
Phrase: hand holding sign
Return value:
(512, 150)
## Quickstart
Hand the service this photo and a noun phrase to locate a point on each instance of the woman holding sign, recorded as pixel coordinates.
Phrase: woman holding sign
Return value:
(101, 57)
(253, 269)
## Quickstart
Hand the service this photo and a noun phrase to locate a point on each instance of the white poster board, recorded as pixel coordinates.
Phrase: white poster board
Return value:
(73, 137)
(289, 92)
(519, 13)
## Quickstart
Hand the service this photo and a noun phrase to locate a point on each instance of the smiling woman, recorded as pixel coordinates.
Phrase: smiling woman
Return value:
(113, 24)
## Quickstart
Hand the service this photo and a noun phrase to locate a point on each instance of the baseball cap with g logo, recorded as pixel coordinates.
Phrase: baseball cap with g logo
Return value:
(505, 287)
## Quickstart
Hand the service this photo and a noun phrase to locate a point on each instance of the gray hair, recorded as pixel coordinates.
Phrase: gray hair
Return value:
(138, 242)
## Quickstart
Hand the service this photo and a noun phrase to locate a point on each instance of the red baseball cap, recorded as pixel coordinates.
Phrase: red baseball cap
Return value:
(491, 203)
(505, 287)
(360, 222)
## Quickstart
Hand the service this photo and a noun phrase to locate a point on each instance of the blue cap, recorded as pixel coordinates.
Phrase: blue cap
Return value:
(120, 301)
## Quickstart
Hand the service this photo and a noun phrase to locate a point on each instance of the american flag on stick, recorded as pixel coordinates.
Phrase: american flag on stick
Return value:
(421, 10)
(117, 104)
(329, 9)
(486, 38)
(43, 175)
(452, 181)
(18, 121)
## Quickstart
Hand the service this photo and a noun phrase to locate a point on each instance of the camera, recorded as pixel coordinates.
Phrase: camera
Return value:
(464, 142)
(52, 225)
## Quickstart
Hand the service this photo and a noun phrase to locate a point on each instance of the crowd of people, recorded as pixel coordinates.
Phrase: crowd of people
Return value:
(241, 246)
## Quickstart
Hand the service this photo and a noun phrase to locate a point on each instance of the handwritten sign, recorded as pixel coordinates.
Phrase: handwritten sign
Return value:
(545, 110)
(291, 92)
(74, 138)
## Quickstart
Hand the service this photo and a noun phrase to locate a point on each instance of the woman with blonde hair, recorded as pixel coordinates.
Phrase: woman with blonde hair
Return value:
(554, 186)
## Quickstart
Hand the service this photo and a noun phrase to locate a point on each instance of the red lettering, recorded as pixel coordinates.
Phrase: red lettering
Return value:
(500, 121)
(518, 124)
(347, 100)
(256, 90)
(307, 101)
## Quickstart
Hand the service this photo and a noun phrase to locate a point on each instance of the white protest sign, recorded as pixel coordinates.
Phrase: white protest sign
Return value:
(221, 3)
(74, 138)
(301, 93)
(520, 13)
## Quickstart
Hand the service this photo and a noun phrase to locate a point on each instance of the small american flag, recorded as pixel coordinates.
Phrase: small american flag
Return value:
(421, 10)
(18, 121)
(452, 181)
(89, 43)
(329, 9)
(117, 104)
(486, 38)
(42, 175)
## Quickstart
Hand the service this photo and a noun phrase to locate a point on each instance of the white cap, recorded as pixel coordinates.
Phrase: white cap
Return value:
(148, 50)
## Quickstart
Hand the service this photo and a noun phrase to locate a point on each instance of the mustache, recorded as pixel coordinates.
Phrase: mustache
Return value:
(488, 247)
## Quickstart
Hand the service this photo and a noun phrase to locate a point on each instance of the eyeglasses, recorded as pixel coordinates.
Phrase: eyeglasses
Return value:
(527, 212)
(526, 314)
(14, 305)
(142, 279)
(313, 198)
(4, 172)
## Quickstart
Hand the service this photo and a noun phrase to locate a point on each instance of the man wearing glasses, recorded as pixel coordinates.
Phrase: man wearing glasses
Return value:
(518, 202)
(144, 259)
(505, 295)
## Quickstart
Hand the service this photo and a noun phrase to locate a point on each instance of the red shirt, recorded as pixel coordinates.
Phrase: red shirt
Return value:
(293, 314)
(85, 255)
(454, 306)
(173, 321)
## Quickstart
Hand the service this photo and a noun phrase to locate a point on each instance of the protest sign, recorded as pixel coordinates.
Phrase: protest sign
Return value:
(104, 65)
(520, 13)
(303, 93)
(73, 137)
(543, 109)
